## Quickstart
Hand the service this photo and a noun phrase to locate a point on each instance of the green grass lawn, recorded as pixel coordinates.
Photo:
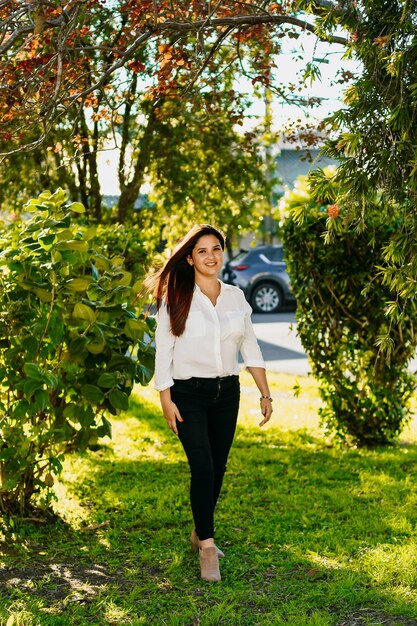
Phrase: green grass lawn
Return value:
(314, 535)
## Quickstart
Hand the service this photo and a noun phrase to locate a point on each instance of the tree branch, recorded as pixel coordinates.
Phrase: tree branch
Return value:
(65, 89)
(244, 20)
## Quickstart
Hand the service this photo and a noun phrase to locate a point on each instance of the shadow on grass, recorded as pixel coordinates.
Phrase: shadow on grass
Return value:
(313, 535)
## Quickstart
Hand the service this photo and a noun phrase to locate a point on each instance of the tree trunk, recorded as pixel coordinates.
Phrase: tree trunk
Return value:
(66, 177)
(97, 197)
(93, 193)
(129, 191)
(229, 246)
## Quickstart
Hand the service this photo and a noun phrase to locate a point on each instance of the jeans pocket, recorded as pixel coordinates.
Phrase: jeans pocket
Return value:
(188, 387)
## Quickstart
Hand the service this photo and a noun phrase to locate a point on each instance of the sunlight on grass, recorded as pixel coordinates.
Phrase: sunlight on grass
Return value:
(115, 615)
(312, 531)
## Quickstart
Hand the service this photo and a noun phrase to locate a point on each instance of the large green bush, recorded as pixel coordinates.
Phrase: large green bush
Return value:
(127, 241)
(72, 343)
(358, 350)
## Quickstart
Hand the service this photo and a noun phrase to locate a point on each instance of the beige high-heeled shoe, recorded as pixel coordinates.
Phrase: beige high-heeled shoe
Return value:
(195, 544)
(209, 564)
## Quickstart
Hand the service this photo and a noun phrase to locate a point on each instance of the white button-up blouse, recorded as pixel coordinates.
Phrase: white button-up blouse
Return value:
(211, 341)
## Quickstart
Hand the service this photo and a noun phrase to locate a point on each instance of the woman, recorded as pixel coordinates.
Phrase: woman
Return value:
(202, 325)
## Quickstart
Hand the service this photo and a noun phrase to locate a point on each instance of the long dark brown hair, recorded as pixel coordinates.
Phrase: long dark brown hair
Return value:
(174, 283)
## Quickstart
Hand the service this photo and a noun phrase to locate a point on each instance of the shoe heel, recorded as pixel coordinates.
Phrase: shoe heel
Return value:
(195, 542)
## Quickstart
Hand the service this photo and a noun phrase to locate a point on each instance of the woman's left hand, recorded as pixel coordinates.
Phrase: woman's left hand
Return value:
(266, 410)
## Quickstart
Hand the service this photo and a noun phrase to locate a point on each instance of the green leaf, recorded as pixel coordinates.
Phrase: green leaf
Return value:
(137, 286)
(96, 347)
(135, 329)
(119, 362)
(30, 345)
(41, 399)
(151, 323)
(77, 245)
(105, 430)
(21, 409)
(111, 308)
(145, 367)
(95, 292)
(6, 454)
(77, 346)
(92, 394)
(77, 207)
(117, 262)
(107, 381)
(58, 197)
(32, 371)
(16, 266)
(90, 233)
(51, 379)
(101, 262)
(86, 416)
(94, 272)
(71, 410)
(78, 284)
(119, 399)
(83, 437)
(65, 234)
(84, 312)
(53, 223)
(43, 294)
(30, 387)
(47, 241)
(122, 278)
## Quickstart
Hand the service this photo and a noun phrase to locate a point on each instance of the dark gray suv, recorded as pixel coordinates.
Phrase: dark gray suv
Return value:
(261, 273)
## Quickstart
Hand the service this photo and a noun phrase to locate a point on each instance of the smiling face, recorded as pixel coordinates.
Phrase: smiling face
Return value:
(206, 257)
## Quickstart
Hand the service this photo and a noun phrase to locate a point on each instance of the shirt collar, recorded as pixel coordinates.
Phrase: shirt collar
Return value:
(223, 288)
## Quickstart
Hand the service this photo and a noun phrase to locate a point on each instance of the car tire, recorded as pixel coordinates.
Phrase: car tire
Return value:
(266, 298)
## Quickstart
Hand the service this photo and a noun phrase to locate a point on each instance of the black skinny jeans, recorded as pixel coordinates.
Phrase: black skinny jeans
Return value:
(209, 408)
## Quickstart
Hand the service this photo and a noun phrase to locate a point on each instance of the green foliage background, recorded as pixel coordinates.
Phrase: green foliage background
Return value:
(73, 341)
(359, 354)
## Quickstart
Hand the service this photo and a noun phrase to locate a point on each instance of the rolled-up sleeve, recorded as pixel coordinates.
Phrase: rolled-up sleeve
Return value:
(165, 342)
(249, 348)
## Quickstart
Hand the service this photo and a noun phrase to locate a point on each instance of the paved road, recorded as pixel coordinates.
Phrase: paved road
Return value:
(281, 348)
(279, 343)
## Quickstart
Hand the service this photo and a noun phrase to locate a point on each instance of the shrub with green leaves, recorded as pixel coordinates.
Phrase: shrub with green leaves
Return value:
(127, 241)
(358, 349)
(73, 341)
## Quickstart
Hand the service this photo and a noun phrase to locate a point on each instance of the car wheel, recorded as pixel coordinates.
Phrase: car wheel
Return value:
(266, 298)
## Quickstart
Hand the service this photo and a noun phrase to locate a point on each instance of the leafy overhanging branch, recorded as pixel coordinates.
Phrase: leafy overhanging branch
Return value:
(65, 59)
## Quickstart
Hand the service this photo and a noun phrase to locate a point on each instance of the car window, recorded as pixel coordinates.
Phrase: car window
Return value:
(274, 255)
(241, 255)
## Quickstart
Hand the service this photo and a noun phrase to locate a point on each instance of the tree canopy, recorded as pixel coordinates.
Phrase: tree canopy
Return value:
(61, 55)
(373, 137)
(98, 60)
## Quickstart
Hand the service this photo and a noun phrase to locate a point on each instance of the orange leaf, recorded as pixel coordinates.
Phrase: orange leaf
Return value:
(382, 41)
(333, 211)
(136, 66)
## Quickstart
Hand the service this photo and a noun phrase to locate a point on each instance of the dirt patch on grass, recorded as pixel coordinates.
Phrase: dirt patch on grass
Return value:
(58, 581)
(369, 617)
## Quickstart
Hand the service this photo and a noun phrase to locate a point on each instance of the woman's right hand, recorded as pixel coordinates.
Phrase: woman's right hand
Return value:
(170, 411)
